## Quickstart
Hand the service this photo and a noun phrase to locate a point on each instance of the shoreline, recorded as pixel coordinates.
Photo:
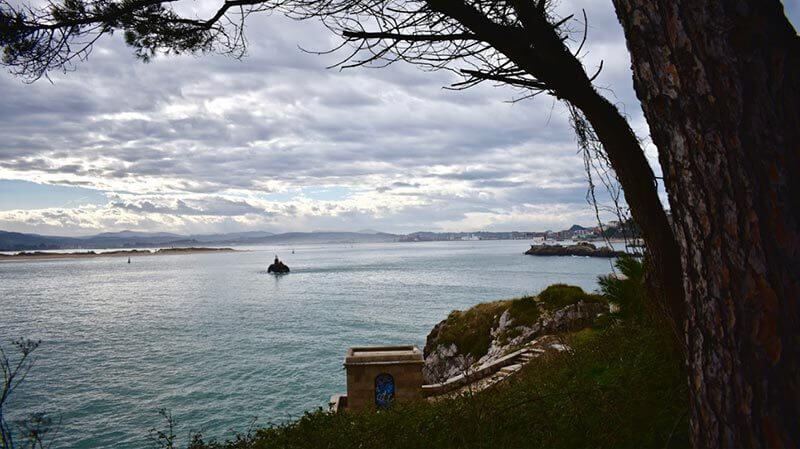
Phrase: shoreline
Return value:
(90, 254)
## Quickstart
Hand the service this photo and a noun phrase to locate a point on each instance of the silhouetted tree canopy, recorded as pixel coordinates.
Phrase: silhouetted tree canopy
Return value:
(434, 34)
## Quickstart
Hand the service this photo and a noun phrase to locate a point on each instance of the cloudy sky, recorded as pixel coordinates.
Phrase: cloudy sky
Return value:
(277, 142)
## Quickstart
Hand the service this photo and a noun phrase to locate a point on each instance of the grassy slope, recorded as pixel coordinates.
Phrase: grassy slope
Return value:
(619, 388)
(470, 330)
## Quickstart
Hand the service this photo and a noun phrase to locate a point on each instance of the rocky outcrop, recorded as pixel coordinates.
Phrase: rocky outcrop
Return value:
(443, 361)
(569, 318)
(580, 249)
(489, 374)
(278, 267)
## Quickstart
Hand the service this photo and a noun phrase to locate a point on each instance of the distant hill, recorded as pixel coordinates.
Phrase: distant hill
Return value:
(15, 241)
(575, 227)
(133, 235)
(233, 236)
(12, 241)
(331, 237)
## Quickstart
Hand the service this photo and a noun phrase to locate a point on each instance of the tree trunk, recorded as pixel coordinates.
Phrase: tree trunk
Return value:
(719, 82)
(638, 183)
(545, 56)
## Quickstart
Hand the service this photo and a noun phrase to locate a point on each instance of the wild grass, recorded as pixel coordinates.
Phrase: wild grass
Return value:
(524, 311)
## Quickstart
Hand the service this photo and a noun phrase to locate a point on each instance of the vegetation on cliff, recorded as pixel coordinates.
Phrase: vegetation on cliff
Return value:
(467, 340)
(558, 296)
(471, 330)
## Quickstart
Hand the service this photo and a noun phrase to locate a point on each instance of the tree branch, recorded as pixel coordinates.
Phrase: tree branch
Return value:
(350, 34)
(505, 79)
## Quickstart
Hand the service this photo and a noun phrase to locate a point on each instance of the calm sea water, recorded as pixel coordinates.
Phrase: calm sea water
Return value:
(218, 341)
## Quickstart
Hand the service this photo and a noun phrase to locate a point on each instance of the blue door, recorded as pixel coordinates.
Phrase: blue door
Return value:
(384, 390)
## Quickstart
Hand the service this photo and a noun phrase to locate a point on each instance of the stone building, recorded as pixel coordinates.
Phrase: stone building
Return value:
(380, 376)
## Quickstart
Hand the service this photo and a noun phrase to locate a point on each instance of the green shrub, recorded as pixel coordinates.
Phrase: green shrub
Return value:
(558, 296)
(626, 291)
(470, 330)
(524, 311)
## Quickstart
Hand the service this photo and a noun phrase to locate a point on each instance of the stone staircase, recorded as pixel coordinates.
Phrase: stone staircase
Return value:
(492, 373)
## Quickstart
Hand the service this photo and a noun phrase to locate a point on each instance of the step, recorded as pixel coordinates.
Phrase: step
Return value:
(510, 369)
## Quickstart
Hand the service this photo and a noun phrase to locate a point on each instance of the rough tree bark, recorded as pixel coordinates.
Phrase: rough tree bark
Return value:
(719, 82)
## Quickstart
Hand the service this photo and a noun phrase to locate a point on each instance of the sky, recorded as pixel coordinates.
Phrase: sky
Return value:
(277, 142)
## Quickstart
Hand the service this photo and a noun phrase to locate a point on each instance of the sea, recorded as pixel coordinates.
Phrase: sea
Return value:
(219, 343)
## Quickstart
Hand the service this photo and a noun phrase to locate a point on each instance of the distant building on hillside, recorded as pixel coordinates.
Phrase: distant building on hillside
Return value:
(581, 232)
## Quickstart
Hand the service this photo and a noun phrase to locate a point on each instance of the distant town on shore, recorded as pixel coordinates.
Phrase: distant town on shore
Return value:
(15, 241)
(610, 230)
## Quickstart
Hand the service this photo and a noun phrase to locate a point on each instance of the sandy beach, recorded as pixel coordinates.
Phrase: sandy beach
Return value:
(44, 255)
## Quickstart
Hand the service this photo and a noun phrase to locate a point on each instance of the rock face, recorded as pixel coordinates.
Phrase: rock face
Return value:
(278, 267)
(443, 361)
(580, 249)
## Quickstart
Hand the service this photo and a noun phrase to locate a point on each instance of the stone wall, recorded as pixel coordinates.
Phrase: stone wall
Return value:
(361, 383)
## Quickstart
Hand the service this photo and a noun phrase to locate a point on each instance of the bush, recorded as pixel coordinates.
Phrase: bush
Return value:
(524, 311)
(626, 291)
(558, 296)
(470, 330)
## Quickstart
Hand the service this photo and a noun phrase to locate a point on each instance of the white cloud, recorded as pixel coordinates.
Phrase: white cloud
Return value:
(189, 144)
